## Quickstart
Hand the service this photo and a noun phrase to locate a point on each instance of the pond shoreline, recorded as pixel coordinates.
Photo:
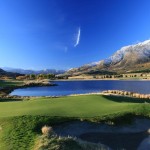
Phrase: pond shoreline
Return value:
(5, 91)
(107, 79)
(118, 93)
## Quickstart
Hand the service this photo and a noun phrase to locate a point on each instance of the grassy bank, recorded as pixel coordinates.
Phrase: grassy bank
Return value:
(6, 86)
(9, 83)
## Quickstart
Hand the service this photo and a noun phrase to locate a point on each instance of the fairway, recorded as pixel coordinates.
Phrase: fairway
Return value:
(73, 106)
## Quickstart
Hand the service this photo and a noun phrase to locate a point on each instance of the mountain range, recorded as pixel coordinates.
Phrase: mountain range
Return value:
(131, 58)
(23, 71)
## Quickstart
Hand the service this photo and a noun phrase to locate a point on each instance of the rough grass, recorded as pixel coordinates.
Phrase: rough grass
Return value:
(19, 133)
(50, 141)
(55, 142)
(21, 121)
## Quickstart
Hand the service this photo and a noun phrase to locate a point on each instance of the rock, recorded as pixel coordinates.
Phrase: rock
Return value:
(127, 93)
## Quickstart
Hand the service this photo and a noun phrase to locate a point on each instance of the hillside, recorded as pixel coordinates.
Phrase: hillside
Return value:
(132, 58)
(8, 74)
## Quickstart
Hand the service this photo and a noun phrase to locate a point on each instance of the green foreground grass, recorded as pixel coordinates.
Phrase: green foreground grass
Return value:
(21, 121)
(75, 106)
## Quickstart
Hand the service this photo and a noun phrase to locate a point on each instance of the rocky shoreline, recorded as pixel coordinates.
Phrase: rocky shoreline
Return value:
(117, 93)
(127, 93)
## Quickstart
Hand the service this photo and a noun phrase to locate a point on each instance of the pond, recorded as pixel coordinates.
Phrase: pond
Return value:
(81, 87)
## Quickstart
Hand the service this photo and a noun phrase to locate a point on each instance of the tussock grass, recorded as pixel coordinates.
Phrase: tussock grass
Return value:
(20, 132)
(50, 141)
(47, 130)
(56, 143)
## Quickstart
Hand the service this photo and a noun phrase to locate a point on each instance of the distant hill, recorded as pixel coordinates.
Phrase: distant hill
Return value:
(132, 58)
(23, 71)
(8, 74)
(2, 71)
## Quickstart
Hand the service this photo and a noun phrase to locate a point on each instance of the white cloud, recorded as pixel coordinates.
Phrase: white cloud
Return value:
(77, 37)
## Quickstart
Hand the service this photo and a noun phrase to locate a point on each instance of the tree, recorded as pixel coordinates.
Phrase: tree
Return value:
(32, 76)
(50, 76)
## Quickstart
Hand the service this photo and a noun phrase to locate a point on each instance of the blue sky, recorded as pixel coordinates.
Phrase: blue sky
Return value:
(62, 34)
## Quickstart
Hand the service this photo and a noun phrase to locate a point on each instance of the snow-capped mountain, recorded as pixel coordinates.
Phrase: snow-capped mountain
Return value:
(139, 52)
(129, 58)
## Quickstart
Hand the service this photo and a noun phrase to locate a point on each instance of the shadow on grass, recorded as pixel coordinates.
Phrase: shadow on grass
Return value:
(120, 141)
(51, 121)
(121, 99)
(9, 100)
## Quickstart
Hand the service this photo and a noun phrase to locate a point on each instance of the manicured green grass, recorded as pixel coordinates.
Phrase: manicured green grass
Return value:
(21, 121)
(80, 106)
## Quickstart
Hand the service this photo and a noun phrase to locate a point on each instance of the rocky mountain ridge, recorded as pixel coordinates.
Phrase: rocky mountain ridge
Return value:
(128, 59)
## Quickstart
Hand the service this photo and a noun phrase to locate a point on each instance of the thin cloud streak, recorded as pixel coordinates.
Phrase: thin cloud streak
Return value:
(78, 37)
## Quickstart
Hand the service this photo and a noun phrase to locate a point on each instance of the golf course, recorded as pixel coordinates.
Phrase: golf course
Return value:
(21, 120)
(74, 75)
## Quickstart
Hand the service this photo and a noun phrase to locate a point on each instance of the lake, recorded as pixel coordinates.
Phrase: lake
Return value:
(81, 87)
